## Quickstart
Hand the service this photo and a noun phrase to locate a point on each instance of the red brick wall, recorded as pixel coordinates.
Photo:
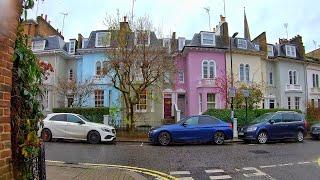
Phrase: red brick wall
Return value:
(7, 39)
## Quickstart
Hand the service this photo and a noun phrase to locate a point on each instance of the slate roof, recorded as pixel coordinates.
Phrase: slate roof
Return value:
(279, 50)
(52, 42)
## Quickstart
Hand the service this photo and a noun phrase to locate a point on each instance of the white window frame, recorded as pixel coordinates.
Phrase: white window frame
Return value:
(40, 47)
(97, 67)
(314, 83)
(99, 98)
(166, 42)
(83, 42)
(289, 102)
(209, 69)
(107, 36)
(274, 103)
(291, 51)
(270, 78)
(200, 103)
(181, 43)
(139, 105)
(72, 47)
(181, 76)
(246, 71)
(242, 72)
(297, 103)
(211, 102)
(294, 75)
(136, 39)
(270, 50)
(242, 44)
(209, 36)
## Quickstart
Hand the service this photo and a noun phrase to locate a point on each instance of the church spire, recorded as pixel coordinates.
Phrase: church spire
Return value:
(246, 26)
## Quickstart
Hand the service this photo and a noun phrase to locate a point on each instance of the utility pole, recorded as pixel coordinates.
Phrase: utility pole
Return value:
(224, 8)
(132, 14)
(64, 16)
(286, 27)
(118, 14)
(207, 9)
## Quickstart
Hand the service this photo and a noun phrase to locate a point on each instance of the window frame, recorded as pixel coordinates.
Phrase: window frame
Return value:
(270, 78)
(41, 46)
(137, 42)
(200, 103)
(242, 44)
(289, 102)
(107, 36)
(166, 41)
(71, 75)
(72, 47)
(142, 97)
(181, 77)
(208, 69)
(98, 72)
(297, 103)
(206, 36)
(211, 102)
(270, 50)
(98, 98)
(65, 119)
(293, 77)
(291, 51)
(72, 115)
(181, 43)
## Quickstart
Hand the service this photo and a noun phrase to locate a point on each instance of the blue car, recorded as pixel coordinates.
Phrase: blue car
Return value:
(275, 126)
(192, 129)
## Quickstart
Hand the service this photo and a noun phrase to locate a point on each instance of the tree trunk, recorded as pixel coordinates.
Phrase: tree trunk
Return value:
(9, 21)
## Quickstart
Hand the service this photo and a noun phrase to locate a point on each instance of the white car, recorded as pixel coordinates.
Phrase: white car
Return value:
(77, 127)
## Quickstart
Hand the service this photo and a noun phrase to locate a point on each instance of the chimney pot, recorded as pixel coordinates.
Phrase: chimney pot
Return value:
(125, 18)
(41, 15)
(49, 22)
(45, 17)
(222, 18)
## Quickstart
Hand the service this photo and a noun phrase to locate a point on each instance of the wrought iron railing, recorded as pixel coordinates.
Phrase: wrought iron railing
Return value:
(35, 167)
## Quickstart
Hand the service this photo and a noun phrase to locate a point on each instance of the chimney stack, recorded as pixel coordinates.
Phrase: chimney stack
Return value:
(49, 22)
(42, 15)
(124, 26)
(125, 19)
(45, 17)
(80, 39)
(222, 19)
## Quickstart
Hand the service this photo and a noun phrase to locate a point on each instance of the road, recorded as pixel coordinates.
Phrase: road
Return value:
(284, 160)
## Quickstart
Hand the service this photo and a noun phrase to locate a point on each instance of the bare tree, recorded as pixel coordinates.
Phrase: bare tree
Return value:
(75, 91)
(135, 62)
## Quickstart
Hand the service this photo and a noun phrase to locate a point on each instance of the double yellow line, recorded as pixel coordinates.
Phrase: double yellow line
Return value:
(157, 174)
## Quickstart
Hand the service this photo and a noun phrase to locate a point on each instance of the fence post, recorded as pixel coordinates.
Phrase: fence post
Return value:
(235, 128)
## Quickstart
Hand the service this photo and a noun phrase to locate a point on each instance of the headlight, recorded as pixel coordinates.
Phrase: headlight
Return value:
(106, 129)
(250, 129)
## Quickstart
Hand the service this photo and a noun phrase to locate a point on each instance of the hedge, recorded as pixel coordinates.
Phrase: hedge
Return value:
(240, 114)
(93, 114)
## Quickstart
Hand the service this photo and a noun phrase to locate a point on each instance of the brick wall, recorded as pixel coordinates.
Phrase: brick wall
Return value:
(7, 39)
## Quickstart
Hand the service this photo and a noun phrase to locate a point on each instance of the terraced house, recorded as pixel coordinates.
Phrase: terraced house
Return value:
(313, 77)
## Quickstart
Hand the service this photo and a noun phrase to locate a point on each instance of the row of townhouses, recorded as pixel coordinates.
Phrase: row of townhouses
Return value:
(288, 76)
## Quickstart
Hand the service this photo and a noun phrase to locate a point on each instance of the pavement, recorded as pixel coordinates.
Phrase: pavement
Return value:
(282, 160)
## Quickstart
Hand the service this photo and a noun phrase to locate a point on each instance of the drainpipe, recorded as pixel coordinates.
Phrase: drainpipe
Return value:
(54, 77)
(306, 85)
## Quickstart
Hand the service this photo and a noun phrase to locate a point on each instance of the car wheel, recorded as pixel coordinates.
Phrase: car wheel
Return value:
(164, 138)
(299, 136)
(262, 137)
(46, 135)
(94, 137)
(218, 138)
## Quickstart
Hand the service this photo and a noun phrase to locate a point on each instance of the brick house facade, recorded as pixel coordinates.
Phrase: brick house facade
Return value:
(8, 24)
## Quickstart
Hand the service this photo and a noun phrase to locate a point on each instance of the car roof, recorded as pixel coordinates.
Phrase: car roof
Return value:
(52, 114)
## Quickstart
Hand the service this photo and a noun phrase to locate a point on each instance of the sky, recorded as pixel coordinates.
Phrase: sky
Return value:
(187, 17)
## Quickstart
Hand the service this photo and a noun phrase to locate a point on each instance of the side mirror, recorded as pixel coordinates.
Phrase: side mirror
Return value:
(271, 121)
(184, 124)
(81, 122)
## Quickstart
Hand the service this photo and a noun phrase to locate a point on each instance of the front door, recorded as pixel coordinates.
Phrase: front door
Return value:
(182, 103)
(167, 104)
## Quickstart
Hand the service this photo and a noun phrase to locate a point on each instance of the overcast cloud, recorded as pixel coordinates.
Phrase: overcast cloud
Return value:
(187, 17)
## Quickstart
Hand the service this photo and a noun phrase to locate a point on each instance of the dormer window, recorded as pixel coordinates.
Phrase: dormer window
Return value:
(142, 38)
(84, 42)
(181, 43)
(167, 44)
(72, 46)
(270, 51)
(291, 51)
(38, 45)
(103, 39)
(242, 43)
(257, 46)
(208, 39)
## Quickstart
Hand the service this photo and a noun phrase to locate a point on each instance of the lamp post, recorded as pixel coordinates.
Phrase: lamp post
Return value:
(246, 94)
(232, 89)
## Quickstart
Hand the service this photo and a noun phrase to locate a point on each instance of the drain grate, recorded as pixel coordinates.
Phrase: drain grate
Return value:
(259, 152)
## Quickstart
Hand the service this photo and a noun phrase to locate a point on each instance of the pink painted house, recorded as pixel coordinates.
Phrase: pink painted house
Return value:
(201, 67)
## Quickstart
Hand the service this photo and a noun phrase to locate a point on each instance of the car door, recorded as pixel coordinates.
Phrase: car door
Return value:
(206, 128)
(57, 125)
(289, 125)
(275, 129)
(76, 127)
(190, 131)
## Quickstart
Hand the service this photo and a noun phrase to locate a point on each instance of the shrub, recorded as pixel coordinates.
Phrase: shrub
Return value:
(93, 114)
(313, 114)
(240, 114)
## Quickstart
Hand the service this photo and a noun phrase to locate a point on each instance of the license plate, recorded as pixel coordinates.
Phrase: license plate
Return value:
(240, 133)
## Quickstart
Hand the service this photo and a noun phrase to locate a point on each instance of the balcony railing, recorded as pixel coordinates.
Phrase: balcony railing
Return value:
(293, 87)
(315, 90)
(206, 83)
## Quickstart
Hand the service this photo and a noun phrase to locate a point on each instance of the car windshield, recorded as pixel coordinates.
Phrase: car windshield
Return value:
(262, 118)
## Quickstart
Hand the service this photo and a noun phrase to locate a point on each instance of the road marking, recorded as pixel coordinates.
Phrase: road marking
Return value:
(179, 173)
(220, 177)
(306, 162)
(288, 164)
(214, 171)
(256, 173)
(185, 178)
(141, 144)
(269, 166)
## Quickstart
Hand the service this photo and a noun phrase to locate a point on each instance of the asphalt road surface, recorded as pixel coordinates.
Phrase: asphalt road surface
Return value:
(284, 160)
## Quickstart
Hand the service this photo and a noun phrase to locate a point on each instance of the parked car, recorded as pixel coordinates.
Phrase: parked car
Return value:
(275, 126)
(192, 129)
(315, 131)
(77, 127)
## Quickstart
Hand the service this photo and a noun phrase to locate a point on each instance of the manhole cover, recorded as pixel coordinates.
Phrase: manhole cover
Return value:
(259, 152)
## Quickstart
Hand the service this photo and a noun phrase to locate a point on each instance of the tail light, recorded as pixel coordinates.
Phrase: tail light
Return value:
(230, 125)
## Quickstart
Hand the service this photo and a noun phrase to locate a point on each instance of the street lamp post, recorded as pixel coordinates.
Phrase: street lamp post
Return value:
(246, 94)
(235, 130)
